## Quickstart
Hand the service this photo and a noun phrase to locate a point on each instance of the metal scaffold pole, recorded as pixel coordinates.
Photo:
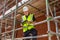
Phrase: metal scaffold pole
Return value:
(5, 28)
(48, 22)
(56, 24)
(13, 33)
(1, 30)
(4, 7)
(3, 18)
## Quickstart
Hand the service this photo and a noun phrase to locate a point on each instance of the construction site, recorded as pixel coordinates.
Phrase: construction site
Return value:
(43, 25)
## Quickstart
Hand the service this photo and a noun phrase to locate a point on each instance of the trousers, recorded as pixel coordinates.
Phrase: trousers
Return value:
(32, 32)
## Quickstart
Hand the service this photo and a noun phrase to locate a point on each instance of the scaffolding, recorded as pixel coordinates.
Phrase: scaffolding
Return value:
(48, 19)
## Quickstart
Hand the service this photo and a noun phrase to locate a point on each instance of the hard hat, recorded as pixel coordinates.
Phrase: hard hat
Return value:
(25, 8)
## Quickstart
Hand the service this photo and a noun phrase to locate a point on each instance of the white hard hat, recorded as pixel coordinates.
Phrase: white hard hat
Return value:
(25, 8)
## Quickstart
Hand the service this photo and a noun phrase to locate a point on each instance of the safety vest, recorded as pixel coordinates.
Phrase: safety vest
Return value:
(27, 26)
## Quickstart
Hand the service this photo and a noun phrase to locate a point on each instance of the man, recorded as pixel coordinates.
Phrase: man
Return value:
(27, 23)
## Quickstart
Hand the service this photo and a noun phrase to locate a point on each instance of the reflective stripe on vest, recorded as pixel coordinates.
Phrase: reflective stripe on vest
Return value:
(23, 18)
(27, 26)
(30, 17)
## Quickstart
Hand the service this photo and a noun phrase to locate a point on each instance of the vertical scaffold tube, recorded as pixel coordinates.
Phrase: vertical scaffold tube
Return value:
(48, 22)
(13, 33)
(0, 29)
(3, 17)
(5, 29)
(56, 24)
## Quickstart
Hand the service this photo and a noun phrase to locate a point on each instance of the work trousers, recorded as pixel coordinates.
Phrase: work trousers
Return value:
(32, 32)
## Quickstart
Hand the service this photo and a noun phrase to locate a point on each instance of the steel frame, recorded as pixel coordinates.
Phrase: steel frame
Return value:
(48, 24)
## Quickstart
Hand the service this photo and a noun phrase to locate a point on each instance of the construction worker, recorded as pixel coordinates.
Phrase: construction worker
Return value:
(27, 23)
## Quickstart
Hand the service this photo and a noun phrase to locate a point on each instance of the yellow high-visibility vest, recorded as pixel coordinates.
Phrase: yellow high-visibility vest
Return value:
(27, 26)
